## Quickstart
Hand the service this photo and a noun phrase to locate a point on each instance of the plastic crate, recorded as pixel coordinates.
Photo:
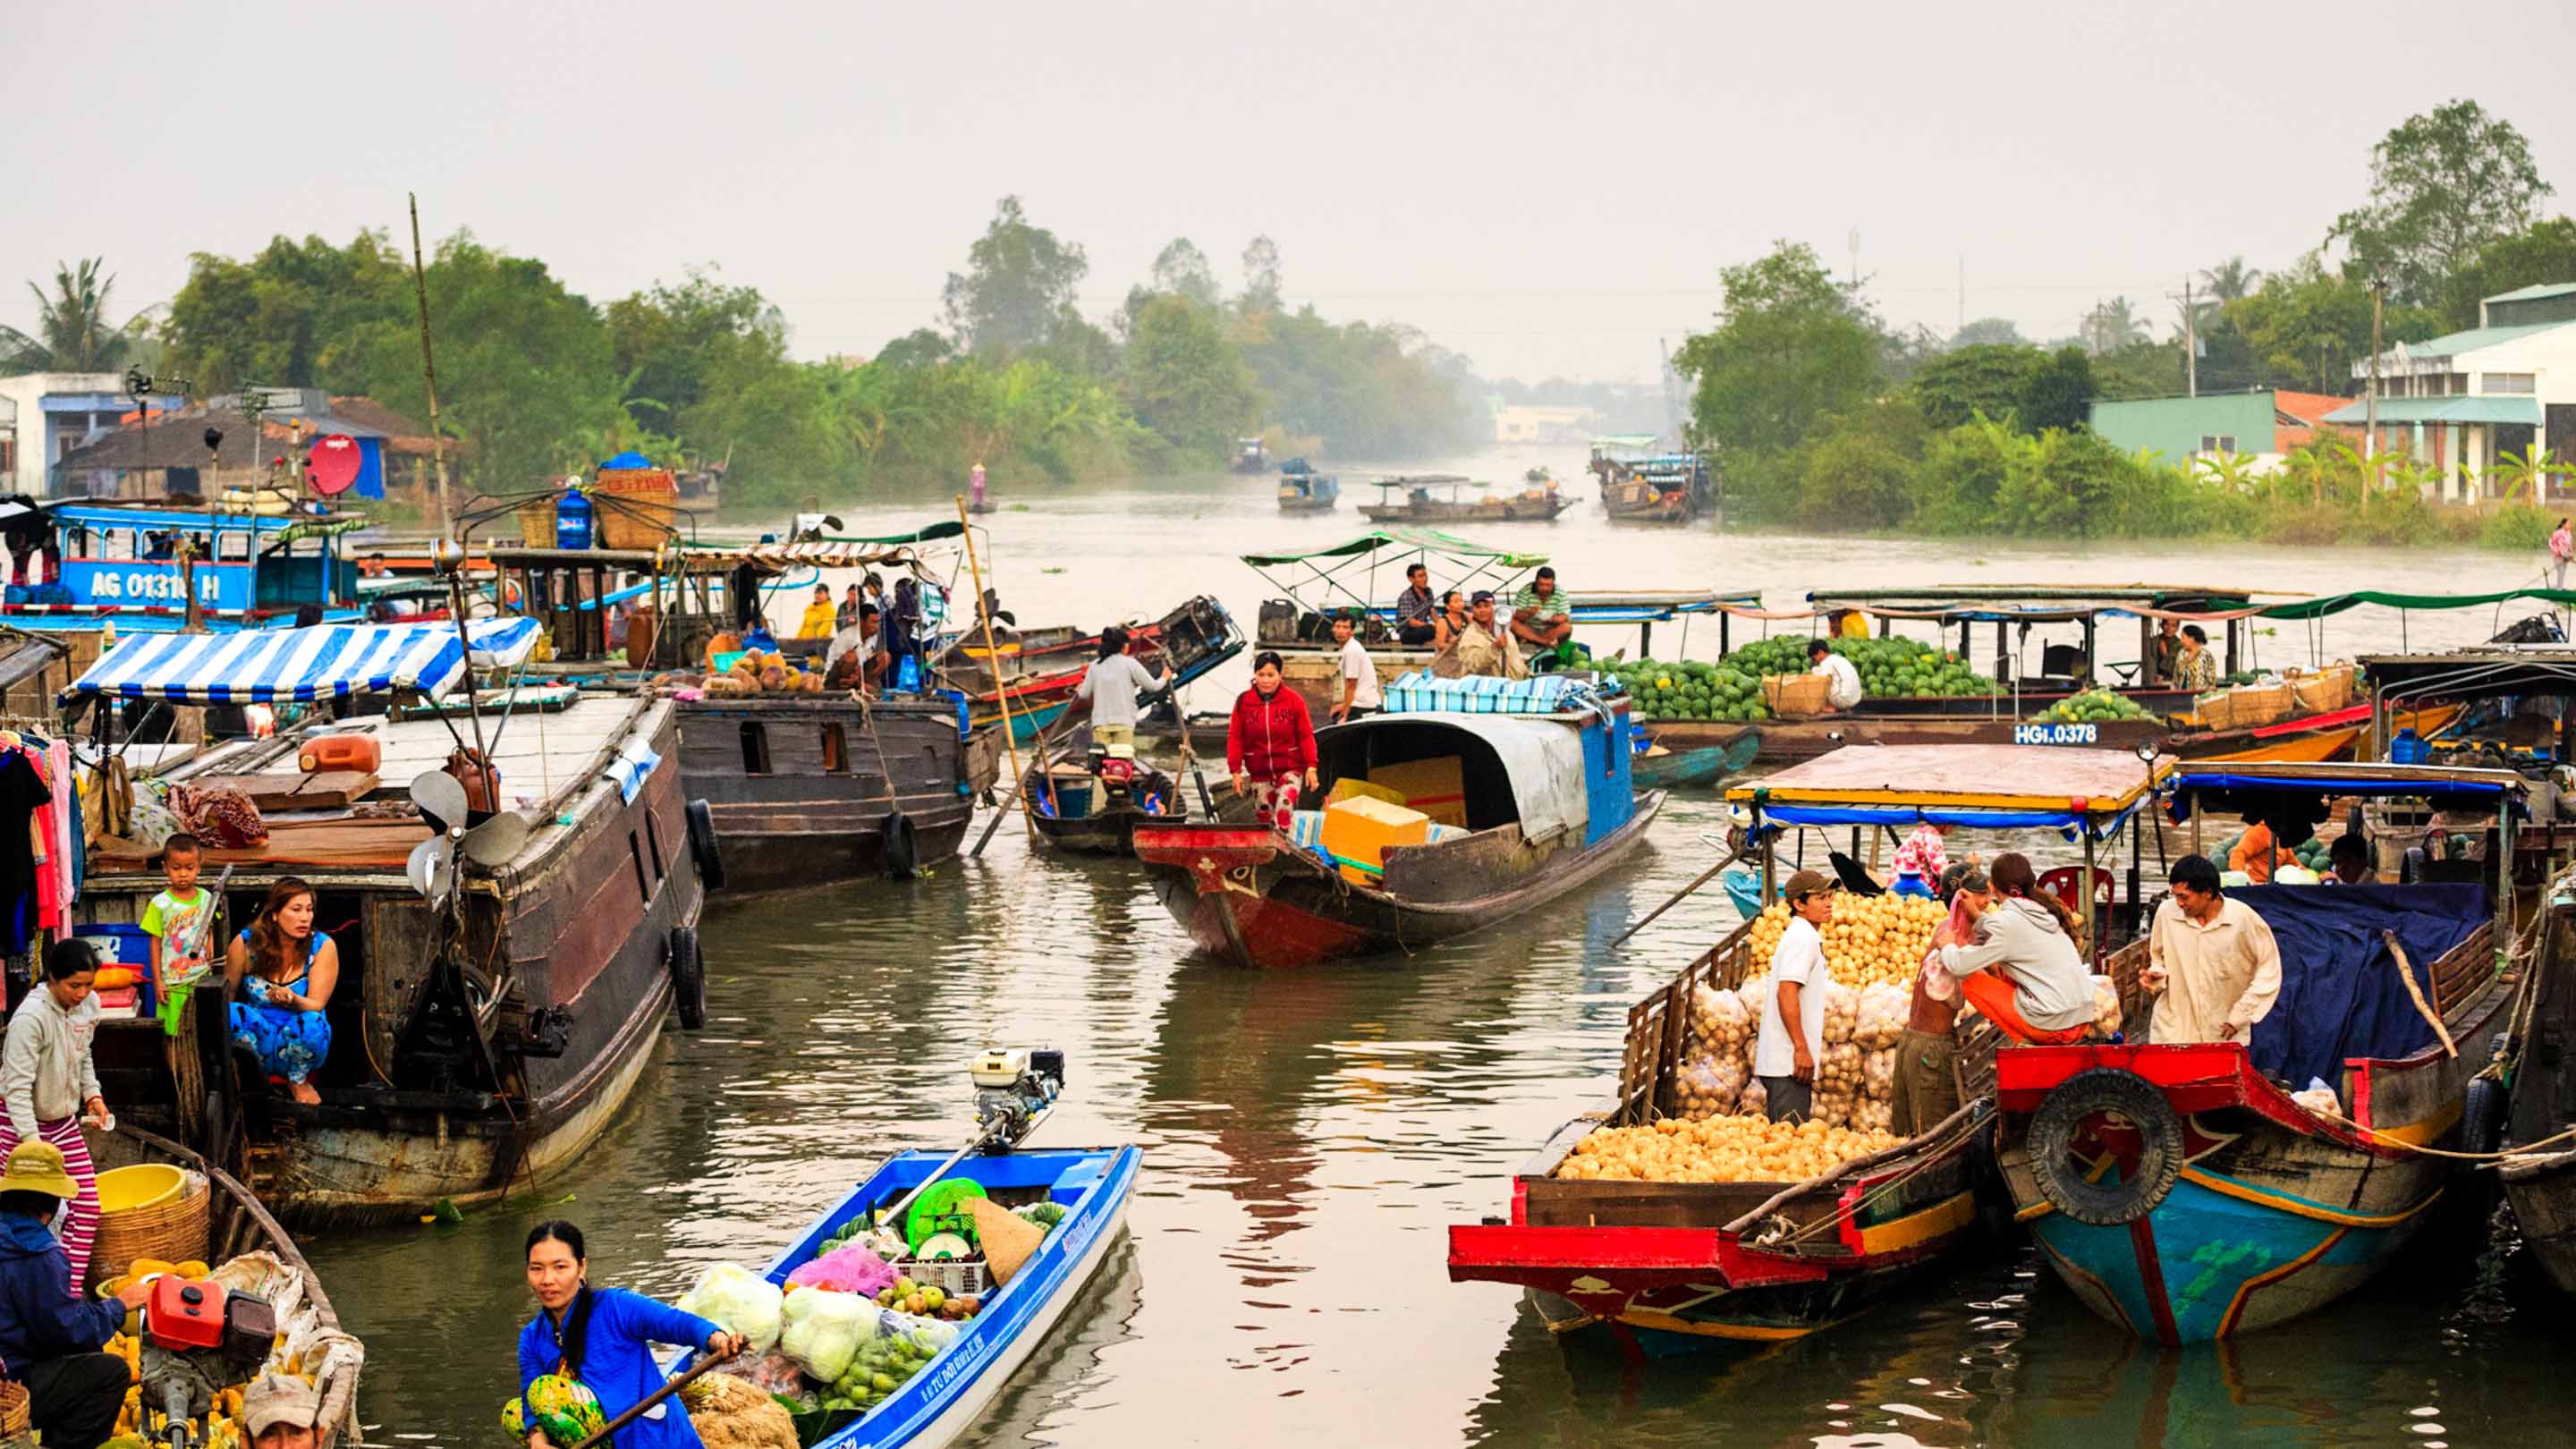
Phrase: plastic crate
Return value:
(956, 1277)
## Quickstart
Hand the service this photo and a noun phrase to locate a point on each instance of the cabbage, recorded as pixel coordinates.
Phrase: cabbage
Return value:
(824, 1330)
(738, 1301)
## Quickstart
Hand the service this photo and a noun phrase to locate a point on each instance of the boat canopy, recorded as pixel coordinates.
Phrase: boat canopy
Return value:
(1404, 540)
(1350, 568)
(1524, 770)
(2045, 603)
(1981, 787)
(2493, 671)
(2230, 786)
(325, 661)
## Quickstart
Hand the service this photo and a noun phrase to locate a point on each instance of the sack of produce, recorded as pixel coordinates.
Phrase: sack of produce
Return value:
(2106, 1006)
(846, 1269)
(1701, 1089)
(1878, 1074)
(558, 1407)
(1834, 1108)
(1874, 1117)
(1754, 1100)
(1838, 1071)
(1722, 1149)
(893, 1348)
(772, 1372)
(1883, 1012)
(1008, 1238)
(738, 1301)
(1842, 1015)
(731, 1413)
(823, 1329)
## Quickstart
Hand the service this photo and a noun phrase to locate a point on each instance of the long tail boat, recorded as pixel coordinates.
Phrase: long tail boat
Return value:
(1071, 804)
(1409, 499)
(2189, 1192)
(486, 1028)
(1541, 799)
(1662, 1268)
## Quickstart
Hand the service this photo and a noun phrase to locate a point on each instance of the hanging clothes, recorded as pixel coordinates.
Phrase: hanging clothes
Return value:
(23, 792)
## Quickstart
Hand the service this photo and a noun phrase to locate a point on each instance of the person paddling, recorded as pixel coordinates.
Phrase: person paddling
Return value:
(601, 1340)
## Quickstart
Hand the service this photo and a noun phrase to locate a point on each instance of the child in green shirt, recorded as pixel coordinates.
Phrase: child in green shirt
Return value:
(179, 919)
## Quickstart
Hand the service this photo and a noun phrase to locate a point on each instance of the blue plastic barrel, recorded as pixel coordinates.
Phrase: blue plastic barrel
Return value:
(572, 520)
(2409, 748)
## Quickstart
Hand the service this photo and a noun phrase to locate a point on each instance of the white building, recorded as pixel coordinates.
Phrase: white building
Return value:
(44, 415)
(2467, 400)
(1537, 423)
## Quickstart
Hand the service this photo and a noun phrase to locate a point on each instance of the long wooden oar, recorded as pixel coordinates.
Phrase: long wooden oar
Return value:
(1001, 813)
(706, 1363)
(1705, 877)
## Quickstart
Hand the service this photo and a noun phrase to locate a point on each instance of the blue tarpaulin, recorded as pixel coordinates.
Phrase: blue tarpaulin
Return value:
(628, 459)
(2340, 993)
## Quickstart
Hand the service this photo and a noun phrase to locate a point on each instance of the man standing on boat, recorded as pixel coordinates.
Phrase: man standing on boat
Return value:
(1359, 696)
(1415, 608)
(1484, 648)
(1540, 621)
(2211, 962)
(1792, 1036)
(1112, 684)
(1842, 690)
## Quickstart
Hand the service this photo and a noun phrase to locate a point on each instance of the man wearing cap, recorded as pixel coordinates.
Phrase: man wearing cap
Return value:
(279, 1412)
(50, 1336)
(1792, 1036)
(1539, 618)
(1484, 648)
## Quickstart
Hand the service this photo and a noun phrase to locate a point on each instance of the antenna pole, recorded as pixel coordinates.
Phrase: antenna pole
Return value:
(429, 370)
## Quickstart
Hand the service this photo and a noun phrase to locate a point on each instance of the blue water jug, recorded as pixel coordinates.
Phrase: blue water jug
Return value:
(907, 674)
(2409, 748)
(572, 520)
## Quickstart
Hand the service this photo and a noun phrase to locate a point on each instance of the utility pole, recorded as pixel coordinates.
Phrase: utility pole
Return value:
(2190, 338)
(429, 378)
(2370, 442)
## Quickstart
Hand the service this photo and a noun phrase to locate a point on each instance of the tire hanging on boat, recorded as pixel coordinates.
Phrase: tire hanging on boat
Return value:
(902, 848)
(702, 844)
(2099, 1197)
(688, 978)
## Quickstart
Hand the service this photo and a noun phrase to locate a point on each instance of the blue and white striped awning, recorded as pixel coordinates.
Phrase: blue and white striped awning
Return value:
(326, 661)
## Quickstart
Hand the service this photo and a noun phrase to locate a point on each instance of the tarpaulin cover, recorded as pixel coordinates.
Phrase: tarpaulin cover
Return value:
(2069, 822)
(625, 460)
(2337, 603)
(326, 661)
(2227, 790)
(1541, 759)
(2340, 993)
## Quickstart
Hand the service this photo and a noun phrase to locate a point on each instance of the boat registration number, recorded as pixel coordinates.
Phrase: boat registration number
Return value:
(2056, 734)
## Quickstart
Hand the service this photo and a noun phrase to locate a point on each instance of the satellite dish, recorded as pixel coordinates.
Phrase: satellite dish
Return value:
(332, 467)
(496, 841)
(430, 869)
(440, 796)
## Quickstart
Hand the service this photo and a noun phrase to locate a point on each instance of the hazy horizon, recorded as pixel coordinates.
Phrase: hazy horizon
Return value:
(1544, 190)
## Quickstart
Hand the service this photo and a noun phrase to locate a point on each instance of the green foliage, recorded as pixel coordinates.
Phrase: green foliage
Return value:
(671, 344)
(289, 316)
(1260, 276)
(1989, 332)
(1369, 390)
(2542, 252)
(1858, 471)
(2111, 327)
(72, 331)
(2443, 185)
(2516, 526)
(1183, 379)
(1791, 346)
(1018, 287)
(2059, 391)
(2306, 327)
(1985, 379)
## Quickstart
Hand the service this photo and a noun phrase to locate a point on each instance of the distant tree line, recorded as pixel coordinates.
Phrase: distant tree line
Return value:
(1820, 416)
(542, 381)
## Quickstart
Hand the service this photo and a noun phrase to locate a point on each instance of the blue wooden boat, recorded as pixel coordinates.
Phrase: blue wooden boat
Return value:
(1657, 768)
(943, 1399)
(117, 564)
(2181, 1190)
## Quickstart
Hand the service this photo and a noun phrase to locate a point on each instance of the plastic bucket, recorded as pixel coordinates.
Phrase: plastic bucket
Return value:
(147, 1184)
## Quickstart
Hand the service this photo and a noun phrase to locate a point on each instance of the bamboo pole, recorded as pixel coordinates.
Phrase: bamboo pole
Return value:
(428, 371)
(992, 652)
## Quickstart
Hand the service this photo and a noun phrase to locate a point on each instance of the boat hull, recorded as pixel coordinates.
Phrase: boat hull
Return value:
(1665, 769)
(1245, 893)
(829, 773)
(1501, 510)
(2542, 1194)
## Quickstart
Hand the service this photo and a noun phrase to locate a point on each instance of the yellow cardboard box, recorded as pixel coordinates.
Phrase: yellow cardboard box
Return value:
(1360, 829)
(1348, 789)
(1436, 787)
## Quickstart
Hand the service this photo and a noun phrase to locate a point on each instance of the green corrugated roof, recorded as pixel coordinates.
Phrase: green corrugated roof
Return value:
(2533, 292)
(2475, 338)
(1396, 536)
(2442, 410)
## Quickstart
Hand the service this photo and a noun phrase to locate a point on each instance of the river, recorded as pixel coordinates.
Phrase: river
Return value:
(1308, 1135)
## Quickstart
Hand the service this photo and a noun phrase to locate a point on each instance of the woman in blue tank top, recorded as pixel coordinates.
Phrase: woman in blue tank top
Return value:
(278, 977)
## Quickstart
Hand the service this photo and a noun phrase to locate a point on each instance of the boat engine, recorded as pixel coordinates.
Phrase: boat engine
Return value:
(199, 1338)
(1114, 766)
(1014, 1087)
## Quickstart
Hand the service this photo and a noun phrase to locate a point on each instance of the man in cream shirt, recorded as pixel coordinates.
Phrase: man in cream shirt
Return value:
(2211, 961)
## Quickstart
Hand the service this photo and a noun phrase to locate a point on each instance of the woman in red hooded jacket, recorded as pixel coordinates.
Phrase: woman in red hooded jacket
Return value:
(1270, 742)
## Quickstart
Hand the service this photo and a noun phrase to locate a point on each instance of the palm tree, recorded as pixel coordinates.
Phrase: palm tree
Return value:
(2528, 469)
(72, 333)
(2230, 281)
(2111, 326)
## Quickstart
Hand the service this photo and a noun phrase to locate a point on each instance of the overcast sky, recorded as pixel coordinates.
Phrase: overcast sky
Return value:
(1549, 188)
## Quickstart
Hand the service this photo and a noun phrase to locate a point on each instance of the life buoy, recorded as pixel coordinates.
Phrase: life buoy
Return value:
(702, 845)
(688, 978)
(2105, 1109)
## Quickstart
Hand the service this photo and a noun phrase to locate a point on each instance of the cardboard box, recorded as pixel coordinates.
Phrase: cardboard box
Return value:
(1360, 829)
(1436, 787)
(1369, 789)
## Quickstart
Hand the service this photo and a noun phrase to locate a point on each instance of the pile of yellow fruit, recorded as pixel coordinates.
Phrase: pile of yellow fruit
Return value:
(222, 1428)
(1875, 938)
(1718, 1149)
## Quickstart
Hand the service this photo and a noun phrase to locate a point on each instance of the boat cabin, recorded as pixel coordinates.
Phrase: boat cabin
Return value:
(126, 558)
(2074, 659)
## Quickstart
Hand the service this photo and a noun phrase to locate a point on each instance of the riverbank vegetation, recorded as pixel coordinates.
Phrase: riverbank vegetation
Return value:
(540, 381)
(1821, 417)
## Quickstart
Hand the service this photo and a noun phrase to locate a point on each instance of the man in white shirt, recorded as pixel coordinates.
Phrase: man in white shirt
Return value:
(1359, 696)
(1844, 690)
(1785, 1058)
(857, 645)
(1111, 684)
(2212, 962)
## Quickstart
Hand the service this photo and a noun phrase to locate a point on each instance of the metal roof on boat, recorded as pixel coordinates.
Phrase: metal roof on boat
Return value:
(1404, 539)
(2042, 780)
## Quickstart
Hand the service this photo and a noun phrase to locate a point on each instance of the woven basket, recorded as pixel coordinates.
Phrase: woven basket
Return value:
(537, 522)
(2261, 704)
(15, 1410)
(1795, 693)
(2217, 711)
(174, 1231)
(637, 508)
(2323, 691)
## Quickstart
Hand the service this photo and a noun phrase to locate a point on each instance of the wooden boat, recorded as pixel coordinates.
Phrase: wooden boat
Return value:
(943, 1399)
(1307, 491)
(238, 1225)
(1071, 803)
(1661, 488)
(1042, 668)
(1545, 807)
(482, 1042)
(1657, 768)
(2181, 1190)
(800, 788)
(2342, 734)
(1663, 1268)
(1410, 499)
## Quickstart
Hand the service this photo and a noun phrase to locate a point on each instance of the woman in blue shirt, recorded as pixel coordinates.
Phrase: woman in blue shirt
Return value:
(600, 1337)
